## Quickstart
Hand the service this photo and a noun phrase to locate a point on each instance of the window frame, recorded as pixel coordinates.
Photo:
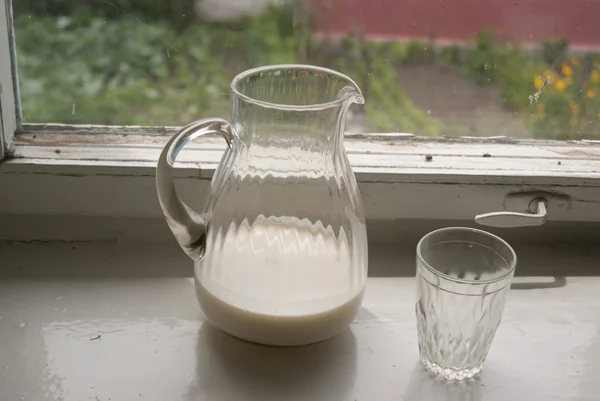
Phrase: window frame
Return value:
(398, 180)
(9, 95)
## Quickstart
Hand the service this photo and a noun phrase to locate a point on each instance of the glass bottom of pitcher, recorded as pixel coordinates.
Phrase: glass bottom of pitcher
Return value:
(277, 330)
(450, 373)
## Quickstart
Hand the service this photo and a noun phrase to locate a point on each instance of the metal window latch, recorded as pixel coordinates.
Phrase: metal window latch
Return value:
(526, 209)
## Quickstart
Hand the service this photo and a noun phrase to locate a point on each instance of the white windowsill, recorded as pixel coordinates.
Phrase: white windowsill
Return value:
(55, 297)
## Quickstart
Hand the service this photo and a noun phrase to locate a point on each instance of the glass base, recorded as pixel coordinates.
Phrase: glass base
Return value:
(450, 373)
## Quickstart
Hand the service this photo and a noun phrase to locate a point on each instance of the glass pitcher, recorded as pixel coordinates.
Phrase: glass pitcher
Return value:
(280, 248)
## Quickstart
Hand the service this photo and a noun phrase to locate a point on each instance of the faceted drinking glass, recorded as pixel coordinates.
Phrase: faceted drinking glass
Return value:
(463, 278)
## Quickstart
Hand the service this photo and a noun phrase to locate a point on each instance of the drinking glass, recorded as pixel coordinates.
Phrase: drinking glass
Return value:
(463, 277)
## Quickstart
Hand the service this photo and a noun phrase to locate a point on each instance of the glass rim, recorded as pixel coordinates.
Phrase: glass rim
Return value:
(358, 96)
(444, 276)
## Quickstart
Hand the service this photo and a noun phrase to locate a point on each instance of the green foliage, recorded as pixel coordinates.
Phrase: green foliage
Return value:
(387, 106)
(175, 12)
(372, 66)
(514, 74)
(554, 51)
(82, 69)
(511, 68)
(270, 39)
(391, 52)
(390, 109)
(420, 52)
(451, 55)
(481, 61)
(144, 67)
(569, 106)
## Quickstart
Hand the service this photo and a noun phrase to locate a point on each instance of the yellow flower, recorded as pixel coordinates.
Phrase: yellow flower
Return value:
(538, 82)
(575, 61)
(595, 76)
(598, 115)
(566, 69)
(560, 85)
(551, 76)
(569, 80)
(591, 93)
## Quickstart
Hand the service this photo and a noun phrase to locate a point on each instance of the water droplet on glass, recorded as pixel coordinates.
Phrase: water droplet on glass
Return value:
(168, 54)
(59, 298)
(428, 111)
(21, 324)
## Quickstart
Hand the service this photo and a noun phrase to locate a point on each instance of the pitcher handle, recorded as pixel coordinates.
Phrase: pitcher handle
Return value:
(187, 225)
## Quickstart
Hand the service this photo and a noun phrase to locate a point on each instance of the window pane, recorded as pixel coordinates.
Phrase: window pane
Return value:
(525, 69)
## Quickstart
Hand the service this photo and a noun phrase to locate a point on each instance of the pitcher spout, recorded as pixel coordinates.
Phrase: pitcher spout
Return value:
(351, 94)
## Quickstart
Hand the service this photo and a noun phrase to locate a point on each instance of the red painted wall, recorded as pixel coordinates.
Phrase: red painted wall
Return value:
(512, 20)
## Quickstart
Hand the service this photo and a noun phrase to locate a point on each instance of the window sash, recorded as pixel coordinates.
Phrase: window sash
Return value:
(9, 95)
(380, 157)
